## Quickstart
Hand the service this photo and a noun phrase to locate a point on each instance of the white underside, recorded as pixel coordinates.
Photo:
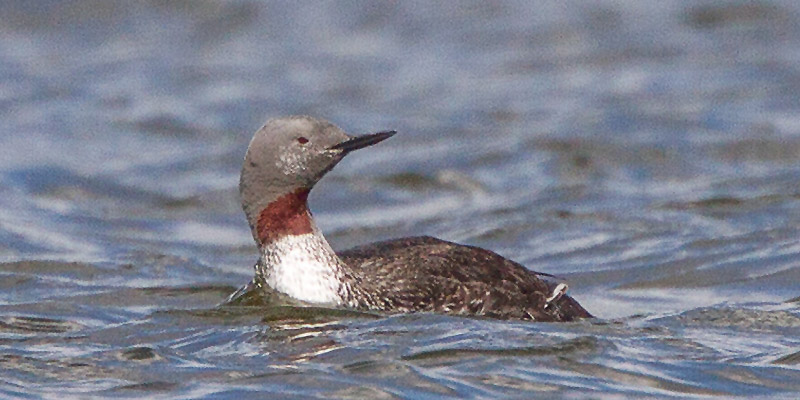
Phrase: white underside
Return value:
(303, 267)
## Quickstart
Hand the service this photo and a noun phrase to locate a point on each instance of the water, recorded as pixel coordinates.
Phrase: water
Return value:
(648, 152)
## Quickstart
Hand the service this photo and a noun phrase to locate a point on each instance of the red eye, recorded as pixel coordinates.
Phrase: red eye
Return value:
(302, 140)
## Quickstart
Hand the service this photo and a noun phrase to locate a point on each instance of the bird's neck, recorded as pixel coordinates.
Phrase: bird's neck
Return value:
(295, 257)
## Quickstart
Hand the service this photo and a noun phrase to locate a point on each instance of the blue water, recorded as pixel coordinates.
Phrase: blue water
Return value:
(646, 151)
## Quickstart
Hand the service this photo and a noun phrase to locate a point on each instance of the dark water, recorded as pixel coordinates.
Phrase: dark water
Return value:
(647, 151)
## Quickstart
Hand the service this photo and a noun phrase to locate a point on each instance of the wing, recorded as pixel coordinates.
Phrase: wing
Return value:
(428, 274)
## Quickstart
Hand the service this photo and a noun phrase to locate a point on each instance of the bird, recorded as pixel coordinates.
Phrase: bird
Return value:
(285, 159)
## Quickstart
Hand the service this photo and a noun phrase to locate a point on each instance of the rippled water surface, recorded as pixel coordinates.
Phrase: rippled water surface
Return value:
(646, 151)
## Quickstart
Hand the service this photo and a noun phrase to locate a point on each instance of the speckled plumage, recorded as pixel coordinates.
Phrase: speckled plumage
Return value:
(417, 274)
(428, 274)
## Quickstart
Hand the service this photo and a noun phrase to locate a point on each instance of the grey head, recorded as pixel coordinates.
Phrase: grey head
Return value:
(290, 155)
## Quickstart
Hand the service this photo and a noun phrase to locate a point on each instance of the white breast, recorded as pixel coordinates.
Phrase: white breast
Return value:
(303, 267)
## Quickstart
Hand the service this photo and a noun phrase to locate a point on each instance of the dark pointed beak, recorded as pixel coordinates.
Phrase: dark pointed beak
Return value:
(359, 142)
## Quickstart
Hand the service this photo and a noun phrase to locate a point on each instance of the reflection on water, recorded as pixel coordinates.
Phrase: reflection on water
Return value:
(645, 151)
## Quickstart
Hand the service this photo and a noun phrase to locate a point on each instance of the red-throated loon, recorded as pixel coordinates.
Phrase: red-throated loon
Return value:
(284, 161)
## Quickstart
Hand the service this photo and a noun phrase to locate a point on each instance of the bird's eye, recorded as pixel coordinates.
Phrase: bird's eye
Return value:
(302, 140)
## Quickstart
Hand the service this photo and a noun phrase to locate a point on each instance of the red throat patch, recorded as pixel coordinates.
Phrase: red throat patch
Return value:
(287, 215)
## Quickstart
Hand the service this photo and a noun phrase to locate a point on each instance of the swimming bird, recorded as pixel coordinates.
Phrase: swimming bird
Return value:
(285, 159)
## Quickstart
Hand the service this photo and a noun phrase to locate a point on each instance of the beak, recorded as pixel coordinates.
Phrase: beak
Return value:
(359, 142)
